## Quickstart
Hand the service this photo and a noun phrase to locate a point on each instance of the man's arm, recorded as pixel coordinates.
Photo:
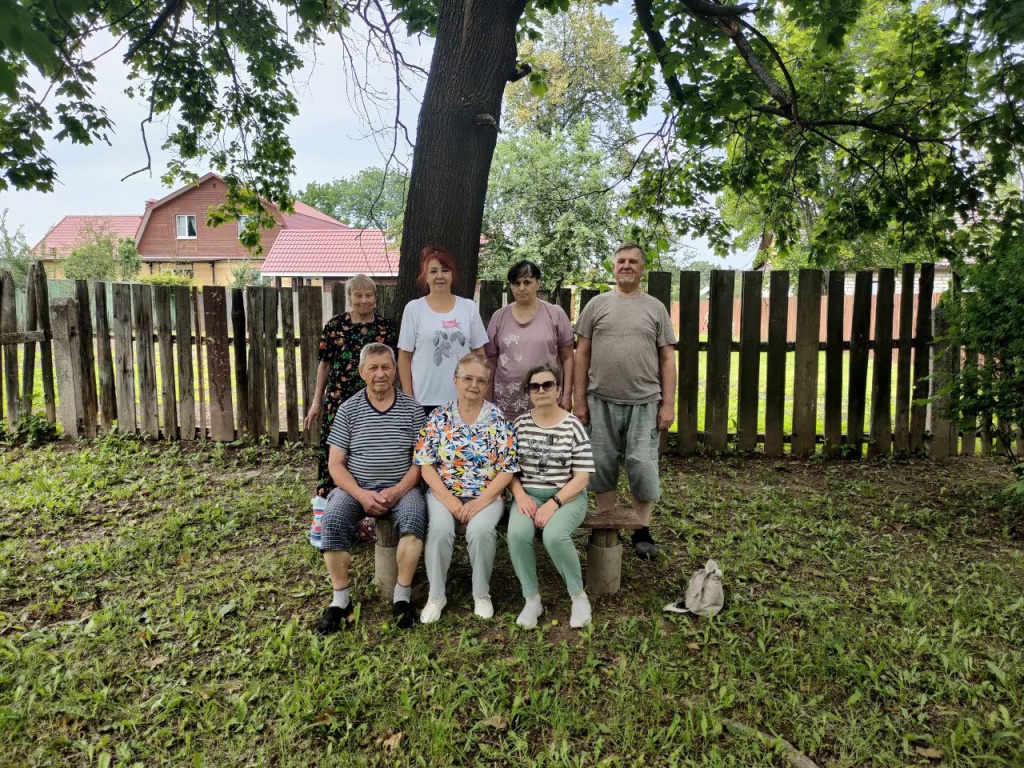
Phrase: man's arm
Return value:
(581, 378)
(565, 357)
(336, 465)
(667, 374)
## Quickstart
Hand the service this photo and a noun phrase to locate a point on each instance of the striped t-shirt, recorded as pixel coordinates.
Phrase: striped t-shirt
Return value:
(548, 456)
(379, 443)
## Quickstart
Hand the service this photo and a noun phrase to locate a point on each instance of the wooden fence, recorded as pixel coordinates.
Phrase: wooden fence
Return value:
(215, 363)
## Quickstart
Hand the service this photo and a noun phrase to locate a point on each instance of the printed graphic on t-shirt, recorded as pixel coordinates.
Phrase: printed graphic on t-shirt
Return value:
(449, 335)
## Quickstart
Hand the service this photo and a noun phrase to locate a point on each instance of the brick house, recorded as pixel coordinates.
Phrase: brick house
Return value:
(328, 256)
(172, 236)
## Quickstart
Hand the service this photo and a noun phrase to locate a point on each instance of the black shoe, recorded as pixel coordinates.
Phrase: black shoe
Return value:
(644, 545)
(335, 618)
(404, 615)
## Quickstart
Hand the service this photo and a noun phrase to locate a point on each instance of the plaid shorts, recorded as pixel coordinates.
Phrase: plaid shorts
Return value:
(343, 514)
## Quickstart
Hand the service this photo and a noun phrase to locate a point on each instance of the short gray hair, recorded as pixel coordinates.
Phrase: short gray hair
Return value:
(629, 245)
(541, 368)
(473, 357)
(359, 283)
(375, 348)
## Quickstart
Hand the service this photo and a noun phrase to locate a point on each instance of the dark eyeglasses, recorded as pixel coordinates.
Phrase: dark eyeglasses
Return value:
(534, 387)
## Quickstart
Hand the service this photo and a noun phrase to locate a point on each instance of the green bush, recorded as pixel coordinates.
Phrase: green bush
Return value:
(33, 431)
(166, 278)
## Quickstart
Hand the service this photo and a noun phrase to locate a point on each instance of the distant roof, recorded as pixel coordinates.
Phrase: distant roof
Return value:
(330, 253)
(71, 231)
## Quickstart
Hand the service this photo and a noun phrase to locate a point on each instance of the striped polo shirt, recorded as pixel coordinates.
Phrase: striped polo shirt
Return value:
(379, 443)
(548, 456)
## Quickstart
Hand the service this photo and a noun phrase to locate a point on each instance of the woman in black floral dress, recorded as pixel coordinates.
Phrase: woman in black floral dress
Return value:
(337, 377)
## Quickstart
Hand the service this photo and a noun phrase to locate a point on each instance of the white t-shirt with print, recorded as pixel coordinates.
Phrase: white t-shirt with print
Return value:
(437, 342)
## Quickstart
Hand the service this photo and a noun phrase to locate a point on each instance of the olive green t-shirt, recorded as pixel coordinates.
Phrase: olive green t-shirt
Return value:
(625, 333)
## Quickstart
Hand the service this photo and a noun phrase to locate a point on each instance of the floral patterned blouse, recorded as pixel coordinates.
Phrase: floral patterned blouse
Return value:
(467, 456)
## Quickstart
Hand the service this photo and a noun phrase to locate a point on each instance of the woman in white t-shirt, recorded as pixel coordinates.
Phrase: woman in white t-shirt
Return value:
(437, 331)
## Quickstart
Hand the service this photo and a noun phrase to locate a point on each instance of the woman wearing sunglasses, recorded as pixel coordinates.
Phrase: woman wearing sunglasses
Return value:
(467, 455)
(555, 461)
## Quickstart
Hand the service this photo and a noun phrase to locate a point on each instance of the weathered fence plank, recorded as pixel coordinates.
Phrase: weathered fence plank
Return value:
(586, 295)
(834, 363)
(310, 321)
(87, 379)
(659, 285)
(775, 375)
(491, 292)
(291, 390)
(9, 325)
(860, 329)
(805, 366)
(338, 298)
(689, 360)
(104, 360)
(386, 301)
(944, 433)
(750, 360)
(28, 362)
(716, 409)
(145, 358)
(271, 386)
(215, 321)
(904, 359)
(922, 358)
(38, 276)
(239, 327)
(256, 425)
(162, 309)
(880, 441)
(68, 359)
(201, 373)
(564, 300)
(183, 340)
(124, 359)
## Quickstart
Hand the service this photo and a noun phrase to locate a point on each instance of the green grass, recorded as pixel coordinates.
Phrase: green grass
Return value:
(156, 605)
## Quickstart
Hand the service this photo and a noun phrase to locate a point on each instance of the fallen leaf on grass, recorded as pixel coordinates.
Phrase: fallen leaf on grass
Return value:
(391, 742)
(898, 527)
(693, 646)
(930, 752)
(225, 609)
(875, 579)
(500, 722)
(154, 663)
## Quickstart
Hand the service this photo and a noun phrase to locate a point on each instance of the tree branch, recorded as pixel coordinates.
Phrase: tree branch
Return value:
(645, 17)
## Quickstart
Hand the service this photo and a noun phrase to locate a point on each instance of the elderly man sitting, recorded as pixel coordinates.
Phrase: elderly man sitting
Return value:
(371, 464)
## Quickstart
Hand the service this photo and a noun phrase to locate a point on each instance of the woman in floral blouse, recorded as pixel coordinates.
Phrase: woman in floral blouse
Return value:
(337, 376)
(467, 452)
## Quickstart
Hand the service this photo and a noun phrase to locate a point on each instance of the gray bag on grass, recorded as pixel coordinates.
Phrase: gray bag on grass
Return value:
(704, 594)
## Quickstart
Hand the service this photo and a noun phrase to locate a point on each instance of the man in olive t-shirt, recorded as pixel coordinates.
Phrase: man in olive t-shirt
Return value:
(625, 363)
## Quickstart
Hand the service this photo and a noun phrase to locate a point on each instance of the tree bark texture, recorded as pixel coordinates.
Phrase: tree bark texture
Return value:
(474, 56)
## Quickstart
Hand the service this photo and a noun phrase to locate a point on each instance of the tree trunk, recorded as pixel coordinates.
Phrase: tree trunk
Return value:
(474, 56)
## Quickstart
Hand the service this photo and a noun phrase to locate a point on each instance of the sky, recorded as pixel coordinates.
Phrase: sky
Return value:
(331, 140)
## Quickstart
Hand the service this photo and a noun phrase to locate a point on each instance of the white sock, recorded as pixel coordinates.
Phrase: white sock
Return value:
(532, 611)
(402, 593)
(580, 611)
(341, 598)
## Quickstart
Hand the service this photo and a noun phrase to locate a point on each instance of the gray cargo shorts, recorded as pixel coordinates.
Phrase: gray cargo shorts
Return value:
(625, 434)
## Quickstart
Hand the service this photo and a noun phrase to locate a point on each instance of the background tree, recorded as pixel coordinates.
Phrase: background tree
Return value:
(372, 198)
(102, 256)
(14, 251)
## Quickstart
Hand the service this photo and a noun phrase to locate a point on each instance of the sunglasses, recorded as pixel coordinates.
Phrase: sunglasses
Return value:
(540, 386)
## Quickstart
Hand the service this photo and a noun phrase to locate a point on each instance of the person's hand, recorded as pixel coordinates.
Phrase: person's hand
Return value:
(372, 503)
(311, 415)
(544, 513)
(565, 403)
(470, 509)
(453, 504)
(581, 411)
(666, 415)
(527, 505)
(390, 496)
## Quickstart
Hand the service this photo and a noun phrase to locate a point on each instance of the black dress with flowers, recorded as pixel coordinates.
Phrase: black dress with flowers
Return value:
(340, 345)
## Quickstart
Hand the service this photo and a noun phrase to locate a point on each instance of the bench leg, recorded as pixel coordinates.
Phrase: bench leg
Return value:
(604, 563)
(385, 558)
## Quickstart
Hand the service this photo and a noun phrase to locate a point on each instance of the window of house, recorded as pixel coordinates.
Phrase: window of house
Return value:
(186, 226)
(242, 221)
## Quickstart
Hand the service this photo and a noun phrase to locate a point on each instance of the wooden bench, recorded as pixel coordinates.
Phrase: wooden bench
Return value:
(604, 553)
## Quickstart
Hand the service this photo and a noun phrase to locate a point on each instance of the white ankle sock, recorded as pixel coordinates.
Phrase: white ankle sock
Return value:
(532, 611)
(341, 598)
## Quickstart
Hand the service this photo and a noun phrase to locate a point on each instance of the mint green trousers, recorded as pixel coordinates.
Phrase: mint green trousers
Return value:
(557, 541)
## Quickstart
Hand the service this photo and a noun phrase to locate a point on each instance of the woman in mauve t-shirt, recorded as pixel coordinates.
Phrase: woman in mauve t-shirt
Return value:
(524, 334)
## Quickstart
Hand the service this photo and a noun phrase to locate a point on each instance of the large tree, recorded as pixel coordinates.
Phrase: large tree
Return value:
(374, 197)
(923, 136)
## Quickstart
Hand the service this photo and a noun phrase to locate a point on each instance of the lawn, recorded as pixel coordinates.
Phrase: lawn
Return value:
(156, 605)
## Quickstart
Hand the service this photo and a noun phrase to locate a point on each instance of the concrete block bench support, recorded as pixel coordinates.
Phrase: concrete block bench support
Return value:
(604, 554)
(385, 558)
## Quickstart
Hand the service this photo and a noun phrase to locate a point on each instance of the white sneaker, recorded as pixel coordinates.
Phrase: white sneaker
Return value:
(432, 610)
(482, 607)
(531, 612)
(580, 616)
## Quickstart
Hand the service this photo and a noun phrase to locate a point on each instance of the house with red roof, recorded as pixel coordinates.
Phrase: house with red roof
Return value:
(172, 236)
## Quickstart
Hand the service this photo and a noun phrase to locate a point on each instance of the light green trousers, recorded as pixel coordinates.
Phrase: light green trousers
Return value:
(557, 541)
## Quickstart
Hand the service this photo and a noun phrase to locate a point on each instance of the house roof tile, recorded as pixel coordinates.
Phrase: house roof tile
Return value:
(330, 253)
(71, 231)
